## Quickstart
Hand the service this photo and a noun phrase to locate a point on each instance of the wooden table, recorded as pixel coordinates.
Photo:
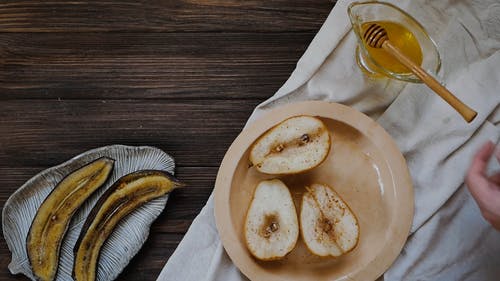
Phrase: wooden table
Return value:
(180, 75)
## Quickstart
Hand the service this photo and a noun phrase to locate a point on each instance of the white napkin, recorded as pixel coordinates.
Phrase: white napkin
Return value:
(449, 240)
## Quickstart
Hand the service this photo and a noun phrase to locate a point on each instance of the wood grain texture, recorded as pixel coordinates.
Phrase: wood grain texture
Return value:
(164, 16)
(146, 65)
(183, 76)
(48, 132)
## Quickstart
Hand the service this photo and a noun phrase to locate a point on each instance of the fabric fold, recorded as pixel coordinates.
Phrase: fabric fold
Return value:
(449, 240)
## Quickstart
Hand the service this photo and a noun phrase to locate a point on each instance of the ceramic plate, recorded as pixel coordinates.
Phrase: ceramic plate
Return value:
(126, 239)
(364, 166)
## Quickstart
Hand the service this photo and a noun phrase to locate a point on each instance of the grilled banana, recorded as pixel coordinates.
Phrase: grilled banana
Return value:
(123, 197)
(52, 218)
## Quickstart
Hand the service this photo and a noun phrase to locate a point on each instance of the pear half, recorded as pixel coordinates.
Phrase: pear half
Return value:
(329, 227)
(271, 224)
(295, 145)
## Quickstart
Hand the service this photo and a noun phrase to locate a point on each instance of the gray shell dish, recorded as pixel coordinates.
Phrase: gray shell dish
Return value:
(125, 241)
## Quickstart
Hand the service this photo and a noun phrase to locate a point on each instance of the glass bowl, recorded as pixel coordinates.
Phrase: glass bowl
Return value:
(370, 11)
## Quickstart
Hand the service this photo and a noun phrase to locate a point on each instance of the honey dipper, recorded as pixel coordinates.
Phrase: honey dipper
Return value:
(376, 36)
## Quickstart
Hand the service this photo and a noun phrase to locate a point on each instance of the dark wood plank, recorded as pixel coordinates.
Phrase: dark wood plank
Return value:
(164, 16)
(151, 258)
(48, 132)
(180, 75)
(147, 66)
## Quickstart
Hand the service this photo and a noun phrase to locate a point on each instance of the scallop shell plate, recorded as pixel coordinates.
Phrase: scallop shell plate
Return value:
(125, 241)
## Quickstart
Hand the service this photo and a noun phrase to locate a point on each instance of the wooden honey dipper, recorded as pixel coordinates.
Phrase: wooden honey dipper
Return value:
(376, 36)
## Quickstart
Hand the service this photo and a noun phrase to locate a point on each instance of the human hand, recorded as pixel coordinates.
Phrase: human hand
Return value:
(485, 189)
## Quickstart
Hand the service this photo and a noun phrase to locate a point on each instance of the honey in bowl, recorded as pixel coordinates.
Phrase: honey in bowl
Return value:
(400, 37)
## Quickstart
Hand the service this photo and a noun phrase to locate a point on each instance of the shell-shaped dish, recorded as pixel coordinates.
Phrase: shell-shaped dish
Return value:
(126, 239)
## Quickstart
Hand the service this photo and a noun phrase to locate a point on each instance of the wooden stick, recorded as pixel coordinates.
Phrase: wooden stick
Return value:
(467, 113)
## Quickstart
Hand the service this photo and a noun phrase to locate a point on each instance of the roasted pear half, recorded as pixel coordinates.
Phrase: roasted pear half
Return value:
(295, 145)
(124, 196)
(54, 215)
(271, 225)
(329, 227)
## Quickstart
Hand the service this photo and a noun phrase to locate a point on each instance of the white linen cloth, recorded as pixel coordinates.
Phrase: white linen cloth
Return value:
(449, 240)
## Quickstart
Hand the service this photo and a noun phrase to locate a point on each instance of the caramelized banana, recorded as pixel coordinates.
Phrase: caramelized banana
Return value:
(123, 197)
(52, 218)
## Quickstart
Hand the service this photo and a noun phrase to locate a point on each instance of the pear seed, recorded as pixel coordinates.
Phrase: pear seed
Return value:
(279, 148)
(274, 226)
(304, 139)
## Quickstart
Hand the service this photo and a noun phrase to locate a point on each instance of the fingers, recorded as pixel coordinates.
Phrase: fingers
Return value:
(495, 179)
(484, 189)
(481, 158)
(476, 179)
(497, 152)
(490, 217)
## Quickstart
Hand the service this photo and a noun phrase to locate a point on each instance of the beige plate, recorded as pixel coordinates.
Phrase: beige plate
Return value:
(364, 166)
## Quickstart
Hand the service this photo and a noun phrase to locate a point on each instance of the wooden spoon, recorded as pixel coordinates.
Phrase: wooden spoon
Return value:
(376, 36)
